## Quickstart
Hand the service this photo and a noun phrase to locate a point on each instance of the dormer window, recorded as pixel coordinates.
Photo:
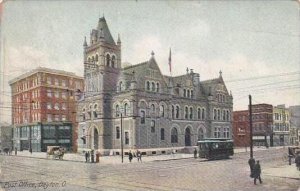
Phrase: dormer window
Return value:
(107, 59)
(153, 86)
(113, 59)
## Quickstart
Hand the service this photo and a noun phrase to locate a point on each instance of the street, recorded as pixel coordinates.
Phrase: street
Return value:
(21, 173)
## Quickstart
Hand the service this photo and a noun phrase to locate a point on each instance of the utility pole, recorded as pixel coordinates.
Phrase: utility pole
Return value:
(250, 123)
(122, 138)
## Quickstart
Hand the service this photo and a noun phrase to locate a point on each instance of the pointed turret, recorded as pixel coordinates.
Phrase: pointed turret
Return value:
(119, 40)
(105, 31)
(85, 43)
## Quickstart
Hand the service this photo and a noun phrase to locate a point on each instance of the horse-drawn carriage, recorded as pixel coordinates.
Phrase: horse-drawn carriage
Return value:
(57, 152)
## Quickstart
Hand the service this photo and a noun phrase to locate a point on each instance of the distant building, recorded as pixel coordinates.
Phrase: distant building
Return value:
(262, 121)
(44, 109)
(5, 137)
(281, 125)
(294, 124)
(240, 128)
(159, 112)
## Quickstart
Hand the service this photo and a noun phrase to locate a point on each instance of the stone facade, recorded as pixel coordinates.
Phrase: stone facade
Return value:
(148, 110)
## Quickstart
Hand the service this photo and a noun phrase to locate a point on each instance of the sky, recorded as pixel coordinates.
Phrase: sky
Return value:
(254, 43)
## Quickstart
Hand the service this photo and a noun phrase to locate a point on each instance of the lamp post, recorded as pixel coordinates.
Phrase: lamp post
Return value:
(122, 153)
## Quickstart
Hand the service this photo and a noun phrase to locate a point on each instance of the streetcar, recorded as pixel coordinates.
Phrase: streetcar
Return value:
(215, 148)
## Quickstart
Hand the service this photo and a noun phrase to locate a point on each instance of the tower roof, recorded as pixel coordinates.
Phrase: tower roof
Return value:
(105, 31)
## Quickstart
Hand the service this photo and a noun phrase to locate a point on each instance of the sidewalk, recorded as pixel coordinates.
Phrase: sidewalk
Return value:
(286, 171)
(75, 157)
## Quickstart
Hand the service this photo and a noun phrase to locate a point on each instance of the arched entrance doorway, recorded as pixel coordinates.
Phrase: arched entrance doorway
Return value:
(188, 137)
(96, 138)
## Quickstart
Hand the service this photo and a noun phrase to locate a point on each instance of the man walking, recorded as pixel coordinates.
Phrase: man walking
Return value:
(86, 156)
(139, 156)
(251, 163)
(130, 156)
(92, 156)
(195, 153)
(257, 172)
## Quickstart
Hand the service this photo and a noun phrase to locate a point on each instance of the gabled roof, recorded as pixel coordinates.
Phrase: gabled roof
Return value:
(104, 31)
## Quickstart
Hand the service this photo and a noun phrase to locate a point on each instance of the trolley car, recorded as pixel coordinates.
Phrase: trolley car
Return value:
(215, 148)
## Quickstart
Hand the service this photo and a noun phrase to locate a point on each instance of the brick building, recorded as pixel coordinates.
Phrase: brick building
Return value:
(44, 109)
(262, 121)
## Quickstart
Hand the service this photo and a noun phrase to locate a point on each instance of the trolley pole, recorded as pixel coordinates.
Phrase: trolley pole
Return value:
(122, 138)
(250, 126)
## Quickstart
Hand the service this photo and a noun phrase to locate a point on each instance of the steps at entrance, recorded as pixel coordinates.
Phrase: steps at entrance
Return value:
(188, 150)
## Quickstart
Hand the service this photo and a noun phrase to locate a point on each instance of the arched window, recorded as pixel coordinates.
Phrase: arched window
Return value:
(95, 111)
(118, 133)
(107, 59)
(219, 114)
(173, 112)
(117, 111)
(186, 112)
(153, 86)
(224, 115)
(191, 113)
(152, 108)
(203, 113)
(148, 85)
(184, 93)
(96, 59)
(157, 87)
(188, 93)
(142, 117)
(125, 109)
(162, 134)
(113, 60)
(227, 115)
(174, 135)
(215, 114)
(161, 110)
(192, 94)
(200, 134)
(93, 59)
(177, 112)
(89, 59)
(199, 113)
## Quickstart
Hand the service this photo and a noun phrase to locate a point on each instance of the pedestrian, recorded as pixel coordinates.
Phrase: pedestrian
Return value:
(139, 156)
(16, 150)
(92, 156)
(30, 150)
(297, 161)
(97, 156)
(86, 156)
(130, 156)
(257, 172)
(251, 163)
(195, 153)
